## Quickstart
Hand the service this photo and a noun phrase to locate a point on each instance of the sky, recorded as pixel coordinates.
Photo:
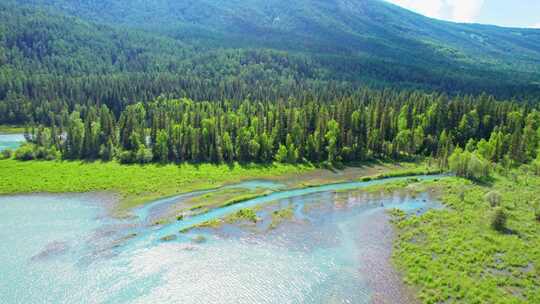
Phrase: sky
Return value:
(513, 13)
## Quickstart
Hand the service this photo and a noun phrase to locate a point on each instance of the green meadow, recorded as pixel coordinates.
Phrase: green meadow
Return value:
(455, 255)
(135, 184)
(6, 129)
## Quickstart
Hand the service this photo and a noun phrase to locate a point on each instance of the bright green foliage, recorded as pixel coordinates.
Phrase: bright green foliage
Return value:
(245, 214)
(469, 165)
(486, 149)
(282, 154)
(75, 136)
(6, 154)
(25, 152)
(454, 255)
(181, 130)
(161, 148)
(332, 139)
(471, 145)
(536, 165)
(107, 150)
(404, 142)
(136, 184)
(468, 127)
(144, 155)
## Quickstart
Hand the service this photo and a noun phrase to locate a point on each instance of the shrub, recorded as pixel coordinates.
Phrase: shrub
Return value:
(25, 152)
(499, 220)
(7, 153)
(127, 157)
(537, 211)
(281, 155)
(469, 165)
(43, 153)
(247, 214)
(40, 153)
(461, 195)
(53, 154)
(536, 165)
(493, 198)
(144, 155)
(478, 168)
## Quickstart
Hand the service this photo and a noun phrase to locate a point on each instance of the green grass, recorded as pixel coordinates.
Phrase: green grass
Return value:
(11, 129)
(224, 198)
(368, 171)
(410, 185)
(243, 215)
(246, 197)
(455, 256)
(215, 223)
(135, 184)
(280, 216)
(408, 169)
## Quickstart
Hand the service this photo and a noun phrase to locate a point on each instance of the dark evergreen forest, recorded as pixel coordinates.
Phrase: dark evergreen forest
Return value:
(362, 126)
(57, 54)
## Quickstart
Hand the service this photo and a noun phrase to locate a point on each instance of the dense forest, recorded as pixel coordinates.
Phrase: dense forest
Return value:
(306, 81)
(58, 54)
(365, 125)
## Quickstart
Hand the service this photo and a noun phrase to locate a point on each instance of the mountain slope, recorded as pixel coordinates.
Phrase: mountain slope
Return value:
(352, 27)
(121, 51)
(48, 57)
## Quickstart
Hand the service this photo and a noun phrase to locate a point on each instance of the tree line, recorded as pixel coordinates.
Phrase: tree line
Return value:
(465, 133)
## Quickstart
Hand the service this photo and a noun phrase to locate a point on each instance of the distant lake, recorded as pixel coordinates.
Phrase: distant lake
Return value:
(11, 141)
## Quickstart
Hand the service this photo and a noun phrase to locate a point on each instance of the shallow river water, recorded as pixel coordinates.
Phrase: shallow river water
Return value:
(65, 249)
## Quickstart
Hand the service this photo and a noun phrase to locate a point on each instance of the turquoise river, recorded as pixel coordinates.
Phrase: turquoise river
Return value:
(336, 248)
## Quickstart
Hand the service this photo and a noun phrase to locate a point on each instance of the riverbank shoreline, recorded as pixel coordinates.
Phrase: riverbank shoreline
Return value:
(296, 181)
(137, 185)
(7, 129)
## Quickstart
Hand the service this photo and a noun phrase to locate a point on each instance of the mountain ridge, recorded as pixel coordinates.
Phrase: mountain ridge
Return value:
(360, 42)
(303, 18)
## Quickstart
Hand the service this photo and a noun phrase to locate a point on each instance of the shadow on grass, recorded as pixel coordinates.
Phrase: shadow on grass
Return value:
(484, 182)
(509, 232)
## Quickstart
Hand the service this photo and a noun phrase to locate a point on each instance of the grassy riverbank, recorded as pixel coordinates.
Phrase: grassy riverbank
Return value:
(139, 184)
(456, 256)
(135, 184)
(4, 129)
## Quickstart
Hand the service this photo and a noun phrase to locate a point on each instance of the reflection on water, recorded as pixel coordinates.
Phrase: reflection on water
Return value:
(152, 211)
(190, 222)
(56, 249)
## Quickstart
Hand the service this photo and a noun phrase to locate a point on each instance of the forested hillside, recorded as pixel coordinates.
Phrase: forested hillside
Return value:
(51, 62)
(359, 27)
(56, 54)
